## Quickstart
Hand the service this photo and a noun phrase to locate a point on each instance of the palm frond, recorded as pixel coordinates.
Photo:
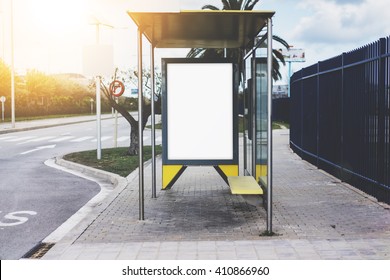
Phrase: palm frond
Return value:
(226, 5)
(279, 56)
(210, 7)
(240, 4)
(280, 40)
(195, 52)
(235, 53)
(276, 75)
(250, 4)
(235, 5)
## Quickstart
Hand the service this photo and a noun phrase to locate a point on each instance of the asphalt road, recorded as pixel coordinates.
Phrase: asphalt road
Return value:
(36, 199)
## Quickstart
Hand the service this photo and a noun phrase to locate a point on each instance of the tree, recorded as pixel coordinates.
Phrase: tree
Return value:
(127, 77)
(236, 54)
(5, 85)
(5, 79)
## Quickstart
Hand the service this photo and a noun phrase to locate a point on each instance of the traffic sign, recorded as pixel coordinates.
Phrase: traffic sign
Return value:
(3, 99)
(117, 88)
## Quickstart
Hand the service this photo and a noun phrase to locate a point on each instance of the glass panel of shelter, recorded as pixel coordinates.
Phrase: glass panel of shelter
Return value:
(255, 118)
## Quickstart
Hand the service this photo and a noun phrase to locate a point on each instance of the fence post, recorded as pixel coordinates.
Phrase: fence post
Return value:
(342, 164)
(318, 114)
(301, 117)
(381, 114)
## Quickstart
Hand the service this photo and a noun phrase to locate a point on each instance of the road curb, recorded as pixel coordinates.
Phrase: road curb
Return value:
(111, 186)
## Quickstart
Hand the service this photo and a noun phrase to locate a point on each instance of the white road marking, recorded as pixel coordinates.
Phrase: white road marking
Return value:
(61, 139)
(20, 139)
(38, 149)
(15, 216)
(37, 139)
(6, 137)
(81, 139)
(104, 138)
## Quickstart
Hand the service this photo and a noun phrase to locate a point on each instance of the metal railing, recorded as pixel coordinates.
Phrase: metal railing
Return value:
(340, 117)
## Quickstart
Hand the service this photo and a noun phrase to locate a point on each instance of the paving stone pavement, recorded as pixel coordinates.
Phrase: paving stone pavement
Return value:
(315, 216)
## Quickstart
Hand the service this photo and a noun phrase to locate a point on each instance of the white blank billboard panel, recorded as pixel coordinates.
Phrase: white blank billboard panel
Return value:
(98, 60)
(200, 111)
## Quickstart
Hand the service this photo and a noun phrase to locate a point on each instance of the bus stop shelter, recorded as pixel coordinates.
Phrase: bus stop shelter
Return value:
(244, 30)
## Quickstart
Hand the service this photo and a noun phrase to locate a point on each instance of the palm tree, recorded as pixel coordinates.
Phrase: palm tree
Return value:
(236, 54)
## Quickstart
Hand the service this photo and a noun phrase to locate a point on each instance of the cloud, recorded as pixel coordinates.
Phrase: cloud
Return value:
(342, 22)
(348, 1)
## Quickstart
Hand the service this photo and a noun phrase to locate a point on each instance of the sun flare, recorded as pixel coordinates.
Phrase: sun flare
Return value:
(58, 16)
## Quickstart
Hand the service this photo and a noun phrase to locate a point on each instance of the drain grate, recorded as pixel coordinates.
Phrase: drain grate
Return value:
(38, 251)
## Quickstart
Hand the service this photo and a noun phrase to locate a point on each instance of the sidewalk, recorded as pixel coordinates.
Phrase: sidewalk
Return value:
(315, 217)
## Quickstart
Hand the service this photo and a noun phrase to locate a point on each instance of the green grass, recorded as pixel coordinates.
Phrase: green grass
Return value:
(275, 125)
(114, 160)
(157, 126)
(280, 124)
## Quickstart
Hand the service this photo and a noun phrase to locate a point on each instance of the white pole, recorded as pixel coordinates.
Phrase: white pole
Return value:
(140, 132)
(12, 68)
(269, 134)
(116, 126)
(98, 119)
(289, 78)
(2, 111)
(152, 80)
(98, 105)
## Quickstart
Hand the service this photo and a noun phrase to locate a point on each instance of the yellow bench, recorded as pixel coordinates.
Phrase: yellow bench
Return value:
(245, 185)
(263, 181)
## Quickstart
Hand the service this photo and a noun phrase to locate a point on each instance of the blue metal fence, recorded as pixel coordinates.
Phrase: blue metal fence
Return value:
(340, 117)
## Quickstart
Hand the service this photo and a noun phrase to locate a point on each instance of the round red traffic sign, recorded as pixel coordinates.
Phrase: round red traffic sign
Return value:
(117, 88)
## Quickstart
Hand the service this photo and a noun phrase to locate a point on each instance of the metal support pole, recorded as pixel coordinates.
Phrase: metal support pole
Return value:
(2, 111)
(98, 119)
(12, 68)
(269, 123)
(116, 125)
(244, 114)
(289, 78)
(253, 117)
(152, 88)
(140, 127)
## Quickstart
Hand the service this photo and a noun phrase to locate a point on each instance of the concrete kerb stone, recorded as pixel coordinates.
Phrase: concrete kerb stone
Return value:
(114, 179)
(111, 186)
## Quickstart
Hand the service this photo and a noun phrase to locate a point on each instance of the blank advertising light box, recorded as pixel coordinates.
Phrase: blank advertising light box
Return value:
(199, 112)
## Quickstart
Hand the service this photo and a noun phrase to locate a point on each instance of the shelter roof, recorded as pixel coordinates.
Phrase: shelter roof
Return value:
(201, 29)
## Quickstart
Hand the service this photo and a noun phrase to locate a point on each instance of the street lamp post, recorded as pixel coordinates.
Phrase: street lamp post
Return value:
(12, 68)
(97, 23)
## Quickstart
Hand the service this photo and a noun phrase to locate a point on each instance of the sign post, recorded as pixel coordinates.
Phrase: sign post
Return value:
(92, 101)
(2, 100)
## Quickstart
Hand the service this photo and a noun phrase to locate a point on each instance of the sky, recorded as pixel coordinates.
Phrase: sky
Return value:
(49, 35)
